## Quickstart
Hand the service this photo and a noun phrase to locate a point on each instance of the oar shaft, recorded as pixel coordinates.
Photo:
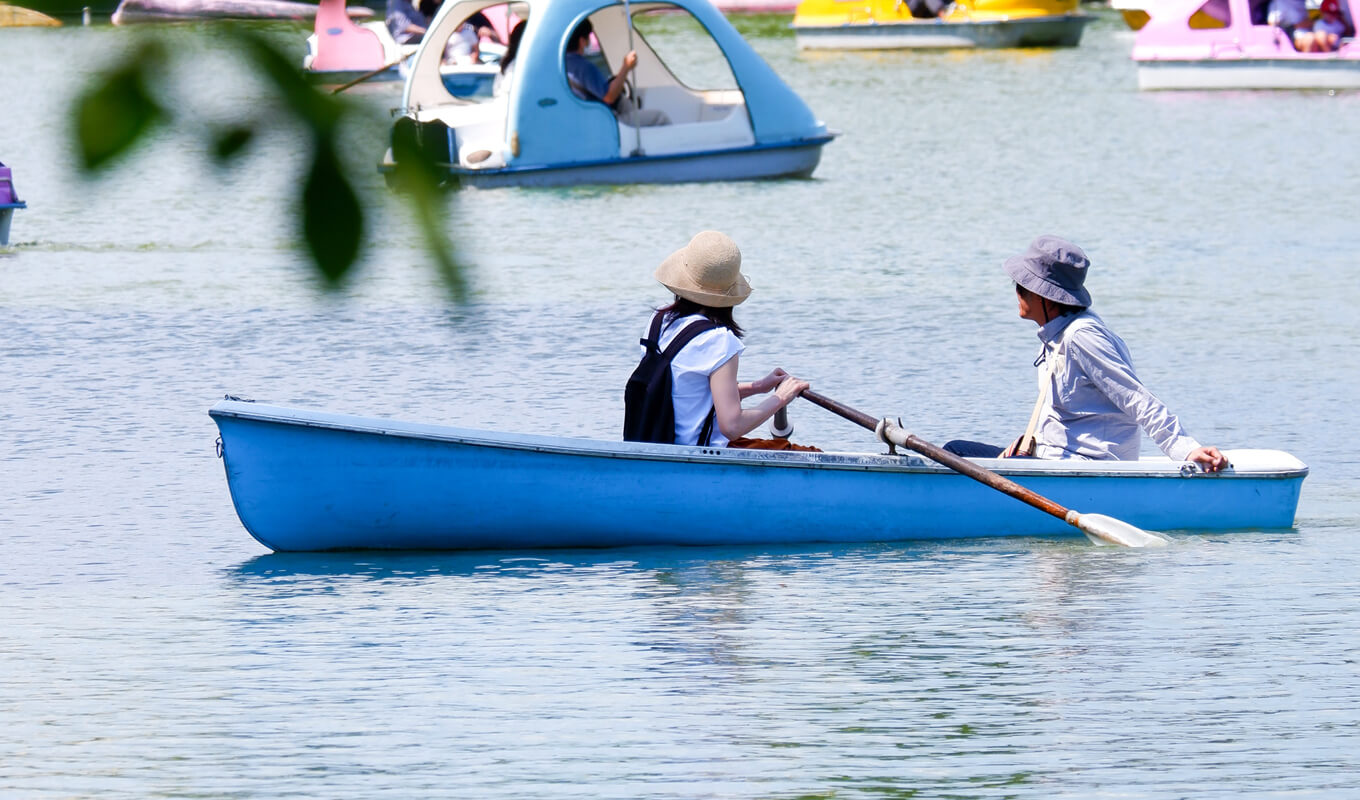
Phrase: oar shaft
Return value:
(902, 438)
(1095, 526)
(365, 76)
(857, 417)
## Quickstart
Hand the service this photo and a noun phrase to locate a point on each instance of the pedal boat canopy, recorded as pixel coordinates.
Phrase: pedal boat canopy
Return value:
(537, 131)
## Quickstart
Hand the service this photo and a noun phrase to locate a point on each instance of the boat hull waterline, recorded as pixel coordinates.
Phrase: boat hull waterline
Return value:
(312, 481)
(753, 163)
(1058, 31)
(1249, 74)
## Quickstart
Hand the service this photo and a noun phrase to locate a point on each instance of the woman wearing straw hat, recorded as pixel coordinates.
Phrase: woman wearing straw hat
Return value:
(705, 277)
(1091, 404)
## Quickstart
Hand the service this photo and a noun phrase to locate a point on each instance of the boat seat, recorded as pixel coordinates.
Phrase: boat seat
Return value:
(699, 122)
(477, 127)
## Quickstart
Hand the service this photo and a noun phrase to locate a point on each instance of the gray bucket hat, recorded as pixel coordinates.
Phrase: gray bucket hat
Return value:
(1053, 268)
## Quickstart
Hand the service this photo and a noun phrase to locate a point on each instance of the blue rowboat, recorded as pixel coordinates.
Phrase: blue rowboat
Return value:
(308, 480)
(742, 123)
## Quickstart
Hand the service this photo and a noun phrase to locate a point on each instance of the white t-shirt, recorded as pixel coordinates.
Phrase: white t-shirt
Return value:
(690, 391)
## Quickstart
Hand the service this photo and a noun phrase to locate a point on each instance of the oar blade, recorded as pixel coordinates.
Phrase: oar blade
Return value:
(1108, 530)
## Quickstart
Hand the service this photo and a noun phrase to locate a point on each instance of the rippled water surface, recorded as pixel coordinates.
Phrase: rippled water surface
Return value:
(151, 648)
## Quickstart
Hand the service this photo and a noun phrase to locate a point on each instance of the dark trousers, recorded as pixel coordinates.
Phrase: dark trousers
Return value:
(967, 449)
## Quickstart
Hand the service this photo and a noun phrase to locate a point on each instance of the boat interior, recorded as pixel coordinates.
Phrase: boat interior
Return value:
(1241, 18)
(700, 119)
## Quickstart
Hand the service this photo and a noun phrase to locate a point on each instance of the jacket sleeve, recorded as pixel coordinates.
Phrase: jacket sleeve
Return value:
(1113, 376)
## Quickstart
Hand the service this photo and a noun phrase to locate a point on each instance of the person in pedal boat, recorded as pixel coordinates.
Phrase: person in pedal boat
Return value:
(705, 277)
(1091, 403)
(588, 82)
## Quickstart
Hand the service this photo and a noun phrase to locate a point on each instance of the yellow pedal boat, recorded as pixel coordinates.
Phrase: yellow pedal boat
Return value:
(898, 24)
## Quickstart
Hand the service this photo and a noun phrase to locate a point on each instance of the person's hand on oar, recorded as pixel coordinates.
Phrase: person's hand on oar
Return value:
(790, 388)
(1097, 527)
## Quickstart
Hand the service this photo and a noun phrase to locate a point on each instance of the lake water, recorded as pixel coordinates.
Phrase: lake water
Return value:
(151, 648)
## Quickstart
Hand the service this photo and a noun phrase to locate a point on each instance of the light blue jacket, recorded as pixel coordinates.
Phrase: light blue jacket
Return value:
(1096, 403)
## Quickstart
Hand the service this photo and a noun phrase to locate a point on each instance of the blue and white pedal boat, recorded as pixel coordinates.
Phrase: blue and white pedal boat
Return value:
(746, 124)
(309, 481)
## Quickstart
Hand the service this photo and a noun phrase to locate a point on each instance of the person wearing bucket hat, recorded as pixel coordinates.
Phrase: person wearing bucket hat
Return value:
(1091, 402)
(706, 280)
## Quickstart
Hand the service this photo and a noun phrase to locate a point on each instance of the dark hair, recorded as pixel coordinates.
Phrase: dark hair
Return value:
(479, 20)
(512, 46)
(1063, 308)
(721, 315)
(582, 31)
(427, 8)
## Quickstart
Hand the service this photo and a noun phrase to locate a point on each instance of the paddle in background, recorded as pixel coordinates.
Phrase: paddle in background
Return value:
(367, 76)
(1097, 527)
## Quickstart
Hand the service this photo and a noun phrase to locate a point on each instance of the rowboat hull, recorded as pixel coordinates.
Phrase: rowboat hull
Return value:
(310, 481)
(1056, 31)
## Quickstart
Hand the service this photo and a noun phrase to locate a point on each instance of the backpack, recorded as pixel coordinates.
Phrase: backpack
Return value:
(648, 410)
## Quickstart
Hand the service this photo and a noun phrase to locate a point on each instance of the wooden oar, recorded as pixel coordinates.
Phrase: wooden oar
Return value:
(780, 427)
(366, 76)
(1097, 527)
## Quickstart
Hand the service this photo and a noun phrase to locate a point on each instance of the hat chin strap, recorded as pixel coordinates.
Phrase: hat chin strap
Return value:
(1049, 316)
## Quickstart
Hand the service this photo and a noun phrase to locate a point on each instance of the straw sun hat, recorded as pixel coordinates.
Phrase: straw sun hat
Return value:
(707, 271)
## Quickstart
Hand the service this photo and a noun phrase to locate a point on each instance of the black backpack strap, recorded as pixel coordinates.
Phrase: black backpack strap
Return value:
(684, 337)
(706, 432)
(681, 339)
(653, 340)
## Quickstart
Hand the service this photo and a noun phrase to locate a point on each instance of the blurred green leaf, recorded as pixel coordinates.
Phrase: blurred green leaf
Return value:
(124, 103)
(318, 111)
(229, 142)
(420, 179)
(332, 220)
(117, 111)
(433, 216)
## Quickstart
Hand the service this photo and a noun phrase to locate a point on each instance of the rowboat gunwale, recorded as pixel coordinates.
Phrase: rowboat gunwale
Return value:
(1244, 462)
